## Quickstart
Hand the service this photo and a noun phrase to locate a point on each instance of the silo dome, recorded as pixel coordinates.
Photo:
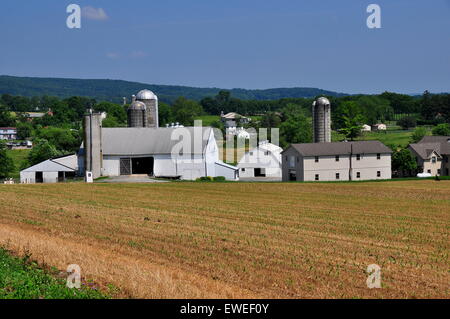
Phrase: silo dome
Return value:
(146, 95)
(322, 101)
(138, 105)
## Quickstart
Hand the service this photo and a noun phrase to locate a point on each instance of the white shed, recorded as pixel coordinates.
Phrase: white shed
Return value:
(50, 171)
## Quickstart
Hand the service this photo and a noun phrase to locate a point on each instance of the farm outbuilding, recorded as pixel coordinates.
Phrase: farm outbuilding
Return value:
(50, 171)
(262, 162)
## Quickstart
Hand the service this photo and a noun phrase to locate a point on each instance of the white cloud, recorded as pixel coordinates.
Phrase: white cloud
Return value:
(94, 13)
(138, 54)
(112, 55)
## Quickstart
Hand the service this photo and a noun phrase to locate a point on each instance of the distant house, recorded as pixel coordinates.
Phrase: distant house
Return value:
(432, 155)
(366, 128)
(8, 133)
(379, 127)
(234, 119)
(262, 162)
(37, 115)
(50, 171)
(342, 161)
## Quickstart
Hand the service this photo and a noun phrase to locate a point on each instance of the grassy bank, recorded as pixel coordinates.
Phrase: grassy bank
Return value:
(18, 156)
(20, 278)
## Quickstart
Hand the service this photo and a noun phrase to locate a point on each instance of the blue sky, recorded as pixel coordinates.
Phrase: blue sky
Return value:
(234, 43)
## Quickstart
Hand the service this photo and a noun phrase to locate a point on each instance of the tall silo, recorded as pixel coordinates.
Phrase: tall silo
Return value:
(137, 115)
(321, 112)
(151, 101)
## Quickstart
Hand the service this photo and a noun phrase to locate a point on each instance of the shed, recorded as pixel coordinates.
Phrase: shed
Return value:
(50, 171)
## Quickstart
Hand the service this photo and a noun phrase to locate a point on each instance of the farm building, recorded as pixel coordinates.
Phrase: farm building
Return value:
(8, 133)
(432, 155)
(262, 162)
(379, 127)
(185, 153)
(50, 171)
(341, 161)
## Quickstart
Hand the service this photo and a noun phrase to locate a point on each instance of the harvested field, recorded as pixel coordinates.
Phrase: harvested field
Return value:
(239, 240)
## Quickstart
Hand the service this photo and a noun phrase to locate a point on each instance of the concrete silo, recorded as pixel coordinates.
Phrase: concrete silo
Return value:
(137, 114)
(321, 114)
(151, 102)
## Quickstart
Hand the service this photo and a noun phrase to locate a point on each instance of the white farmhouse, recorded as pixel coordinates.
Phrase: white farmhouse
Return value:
(262, 162)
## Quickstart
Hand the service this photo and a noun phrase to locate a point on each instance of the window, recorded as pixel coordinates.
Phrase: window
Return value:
(316, 159)
(378, 174)
(433, 159)
(439, 172)
(378, 156)
(251, 153)
(429, 171)
(298, 159)
(317, 177)
(337, 176)
(337, 158)
(243, 169)
(358, 174)
(358, 157)
(266, 153)
(292, 161)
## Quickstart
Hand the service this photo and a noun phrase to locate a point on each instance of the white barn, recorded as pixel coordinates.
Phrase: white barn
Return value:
(262, 162)
(157, 152)
(50, 171)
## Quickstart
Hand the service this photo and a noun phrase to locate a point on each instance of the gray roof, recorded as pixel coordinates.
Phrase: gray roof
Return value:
(49, 166)
(341, 148)
(147, 141)
(430, 144)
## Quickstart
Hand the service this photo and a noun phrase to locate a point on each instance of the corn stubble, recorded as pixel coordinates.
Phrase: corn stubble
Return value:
(244, 240)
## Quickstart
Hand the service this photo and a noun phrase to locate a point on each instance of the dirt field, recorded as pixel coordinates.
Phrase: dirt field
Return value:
(239, 240)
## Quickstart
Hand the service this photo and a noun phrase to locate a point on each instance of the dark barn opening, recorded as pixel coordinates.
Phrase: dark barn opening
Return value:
(142, 165)
(259, 172)
(39, 177)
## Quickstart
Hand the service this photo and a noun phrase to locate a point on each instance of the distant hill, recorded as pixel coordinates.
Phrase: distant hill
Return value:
(114, 90)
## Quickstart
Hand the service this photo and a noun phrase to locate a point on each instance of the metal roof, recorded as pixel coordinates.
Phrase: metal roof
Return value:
(49, 166)
(341, 148)
(147, 141)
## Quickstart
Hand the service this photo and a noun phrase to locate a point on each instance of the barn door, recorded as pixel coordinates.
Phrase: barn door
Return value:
(125, 166)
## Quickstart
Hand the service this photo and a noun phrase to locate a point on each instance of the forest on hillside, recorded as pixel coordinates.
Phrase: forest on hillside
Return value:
(115, 90)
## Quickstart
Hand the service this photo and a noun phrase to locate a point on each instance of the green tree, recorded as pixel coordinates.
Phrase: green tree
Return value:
(296, 129)
(24, 130)
(6, 162)
(5, 117)
(165, 114)
(442, 130)
(185, 111)
(350, 119)
(41, 151)
(407, 122)
(270, 119)
(418, 134)
(64, 140)
(113, 110)
(403, 161)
